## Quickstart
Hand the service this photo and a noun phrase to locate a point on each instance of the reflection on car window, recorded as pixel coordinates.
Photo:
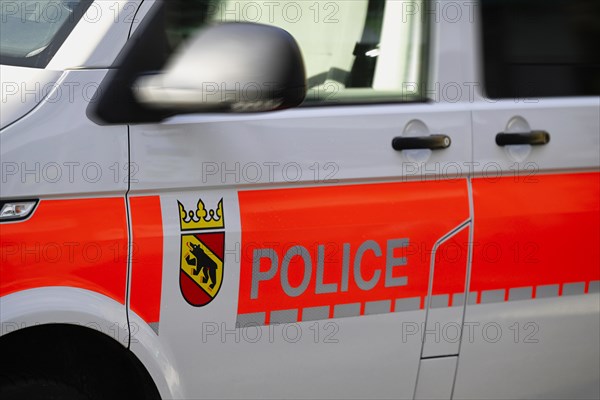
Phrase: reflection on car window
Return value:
(184, 17)
(355, 51)
(32, 31)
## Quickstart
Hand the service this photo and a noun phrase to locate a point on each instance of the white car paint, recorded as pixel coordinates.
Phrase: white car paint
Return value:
(173, 156)
(22, 89)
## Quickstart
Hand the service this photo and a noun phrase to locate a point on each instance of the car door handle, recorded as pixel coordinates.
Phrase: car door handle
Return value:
(534, 138)
(431, 142)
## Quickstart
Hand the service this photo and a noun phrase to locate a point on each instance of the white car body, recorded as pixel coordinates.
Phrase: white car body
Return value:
(533, 347)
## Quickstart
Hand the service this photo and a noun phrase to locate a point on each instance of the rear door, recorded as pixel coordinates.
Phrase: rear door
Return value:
(297, 249)
(533, 316)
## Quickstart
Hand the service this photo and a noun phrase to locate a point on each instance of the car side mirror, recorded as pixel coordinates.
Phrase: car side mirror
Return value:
(236, 67)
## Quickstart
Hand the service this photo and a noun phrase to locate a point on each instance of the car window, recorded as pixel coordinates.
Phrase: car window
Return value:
(541, 48)
(354, 51)
(32, 31)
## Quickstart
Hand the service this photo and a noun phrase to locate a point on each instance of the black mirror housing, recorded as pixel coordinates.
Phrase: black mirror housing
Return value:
(267, 73)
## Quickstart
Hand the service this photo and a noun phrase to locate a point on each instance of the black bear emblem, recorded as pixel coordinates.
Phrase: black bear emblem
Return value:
(202, 262)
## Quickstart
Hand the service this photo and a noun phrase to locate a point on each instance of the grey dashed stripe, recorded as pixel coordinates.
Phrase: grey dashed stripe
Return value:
(378, 307)
(255, 319)
(545, 291)
(492, 296)
(283, 317)
(410, 304)
(522, 293)
(458, 300)
(440, 301)
(154, 326)
(346, 310)
(315, 313)
(472, 299)
(570, 289)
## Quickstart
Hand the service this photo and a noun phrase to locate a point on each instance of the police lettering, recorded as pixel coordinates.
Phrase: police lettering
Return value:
(351, 264)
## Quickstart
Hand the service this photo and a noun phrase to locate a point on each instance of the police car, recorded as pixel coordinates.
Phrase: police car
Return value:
(300, 199)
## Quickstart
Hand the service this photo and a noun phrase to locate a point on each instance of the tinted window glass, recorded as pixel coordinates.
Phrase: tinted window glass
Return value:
(541, 48)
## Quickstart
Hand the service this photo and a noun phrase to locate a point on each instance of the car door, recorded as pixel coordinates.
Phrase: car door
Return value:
(290, 254)
(532, 320)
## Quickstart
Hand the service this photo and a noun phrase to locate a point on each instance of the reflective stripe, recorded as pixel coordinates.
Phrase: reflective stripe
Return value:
(545, 291)
(315, 313)
(570, 289)
(345, 248)
(532, 240)
(440, 301)
(378, 307)
(450, 269)
(492, 296)
(246, 320)
(80, 243)
(536, 231)
(520, 293)
(284, 316)
(346, 310)
(402, 305)
(458, 300)
(146, 257)
(408, 304)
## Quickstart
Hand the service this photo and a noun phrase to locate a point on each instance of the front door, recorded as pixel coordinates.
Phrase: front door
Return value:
(296, 259)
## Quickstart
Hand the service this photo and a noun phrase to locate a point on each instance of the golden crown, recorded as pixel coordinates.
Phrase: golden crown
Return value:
(201, 218)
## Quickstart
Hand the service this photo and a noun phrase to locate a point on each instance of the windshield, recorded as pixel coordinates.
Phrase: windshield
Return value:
(32, 31)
